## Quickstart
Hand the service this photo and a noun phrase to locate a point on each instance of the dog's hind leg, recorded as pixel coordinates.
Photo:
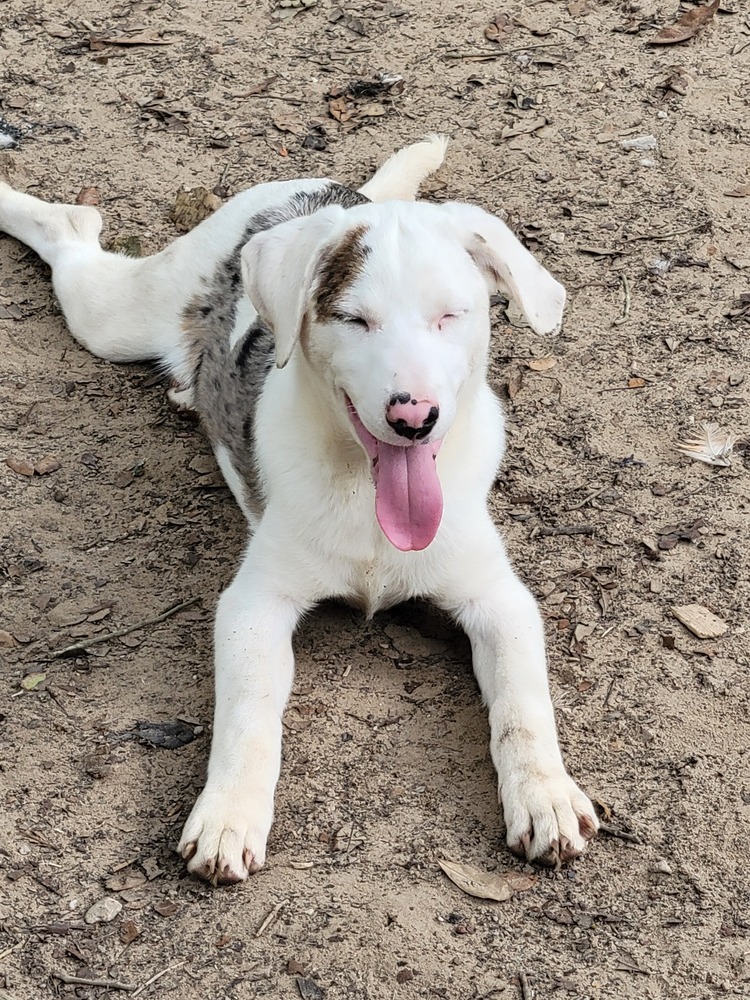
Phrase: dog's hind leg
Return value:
(112, 304)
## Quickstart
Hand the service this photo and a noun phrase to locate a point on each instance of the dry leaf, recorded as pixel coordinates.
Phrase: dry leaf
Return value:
(499, 29)
(123, 882)
(6, 640)
(289, 123)
(128, 931)
(541, 364)
(32, 681)
(515, 383)
(21, 466)
(578, 7)
(636, 383)
(193, 205)
(714, 446)
(166, 909)
(524, 127)
(743, 191)
(486, 885)
(88, 196)
(686, 26)
(46, 464)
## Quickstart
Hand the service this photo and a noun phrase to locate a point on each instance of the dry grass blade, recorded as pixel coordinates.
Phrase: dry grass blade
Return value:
(714, 446)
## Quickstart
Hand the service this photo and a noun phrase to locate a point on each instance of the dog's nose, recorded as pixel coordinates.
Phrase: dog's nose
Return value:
(411, 418)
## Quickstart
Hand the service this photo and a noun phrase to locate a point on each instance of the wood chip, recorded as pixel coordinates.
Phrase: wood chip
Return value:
(700, 621)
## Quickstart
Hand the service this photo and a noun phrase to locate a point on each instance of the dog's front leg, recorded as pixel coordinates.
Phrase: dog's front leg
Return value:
(547, 817)
(224, 839)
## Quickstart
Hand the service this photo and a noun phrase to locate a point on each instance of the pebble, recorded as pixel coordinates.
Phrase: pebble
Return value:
(103, 911)
(640, 143)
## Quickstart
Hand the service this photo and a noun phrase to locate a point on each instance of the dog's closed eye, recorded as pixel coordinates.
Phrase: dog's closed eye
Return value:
(350, 320)
(448, 317)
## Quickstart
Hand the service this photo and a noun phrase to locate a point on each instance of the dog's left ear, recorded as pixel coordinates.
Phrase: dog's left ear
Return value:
(279, 267)
(510, 268)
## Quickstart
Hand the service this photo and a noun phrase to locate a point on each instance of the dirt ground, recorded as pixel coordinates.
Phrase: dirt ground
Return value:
(386, 766)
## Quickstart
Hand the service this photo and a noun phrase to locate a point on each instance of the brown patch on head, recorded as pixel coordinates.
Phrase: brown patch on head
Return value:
(339, 266)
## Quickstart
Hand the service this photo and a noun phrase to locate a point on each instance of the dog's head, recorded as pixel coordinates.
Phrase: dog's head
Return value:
(389, 304)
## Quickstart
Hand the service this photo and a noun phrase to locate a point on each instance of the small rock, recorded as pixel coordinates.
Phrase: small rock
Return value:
(661, 867)
(640, 143)
(404, 976)
(103, 911)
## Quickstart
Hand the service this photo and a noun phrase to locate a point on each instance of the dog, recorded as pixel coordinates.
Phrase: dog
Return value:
(346, 400)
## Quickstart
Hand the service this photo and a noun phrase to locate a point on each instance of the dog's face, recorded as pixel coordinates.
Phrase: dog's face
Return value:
(389, 305)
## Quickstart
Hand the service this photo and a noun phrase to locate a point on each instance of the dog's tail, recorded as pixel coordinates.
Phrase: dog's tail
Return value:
(400, 176)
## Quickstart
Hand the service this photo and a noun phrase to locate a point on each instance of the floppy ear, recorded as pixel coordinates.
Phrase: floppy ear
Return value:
(278, 270)
(510, 268)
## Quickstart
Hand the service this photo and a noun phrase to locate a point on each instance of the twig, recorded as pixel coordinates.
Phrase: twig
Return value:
(171, 968)
(626, 305)
(591, 496)
(13, 947)
(664, 236)
(570, 529)
(612, 831)
(270, 917)
(527, 993)
(110, 984)
(81, 647)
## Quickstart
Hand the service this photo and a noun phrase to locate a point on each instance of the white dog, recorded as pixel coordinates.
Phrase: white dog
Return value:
(362, 458)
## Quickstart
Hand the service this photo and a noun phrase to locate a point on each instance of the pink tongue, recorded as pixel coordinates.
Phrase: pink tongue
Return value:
(408, 498)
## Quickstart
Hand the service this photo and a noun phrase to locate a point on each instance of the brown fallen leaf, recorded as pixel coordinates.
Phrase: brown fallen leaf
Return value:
(125, 881)
(129, 931)
(46, 464)
(498, 886)
(7, 641)
(499, 29)
(88, 196)
(289, 123)
(743, 191)
(166, 908)
(636, 383)
(524, 127)
(193, 205)
(21, 466)
(687, 26)
(541, 364)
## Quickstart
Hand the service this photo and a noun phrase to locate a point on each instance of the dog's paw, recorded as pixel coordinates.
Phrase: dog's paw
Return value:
(224, 839)
(548, 819)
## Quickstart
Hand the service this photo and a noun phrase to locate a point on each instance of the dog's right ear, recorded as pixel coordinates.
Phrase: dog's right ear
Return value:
(279, 267)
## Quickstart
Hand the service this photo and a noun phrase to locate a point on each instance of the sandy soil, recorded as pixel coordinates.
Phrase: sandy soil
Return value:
(386, 765)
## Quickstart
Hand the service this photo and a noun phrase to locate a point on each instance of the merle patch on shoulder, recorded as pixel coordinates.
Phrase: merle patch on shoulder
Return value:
(230, 367)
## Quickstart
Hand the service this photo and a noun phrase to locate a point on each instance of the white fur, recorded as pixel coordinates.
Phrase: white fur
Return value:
(424, 295)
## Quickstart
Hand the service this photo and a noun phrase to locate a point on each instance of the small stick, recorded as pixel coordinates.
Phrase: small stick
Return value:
(13, 947)
(663, 236)
(171, 968)
(81, 647)
(591, 496)
(611, 831)
(111, 984)
(270, 917)
(571, 529)
(626, 304)
(527, 992)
